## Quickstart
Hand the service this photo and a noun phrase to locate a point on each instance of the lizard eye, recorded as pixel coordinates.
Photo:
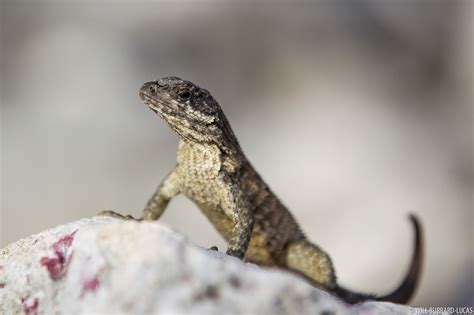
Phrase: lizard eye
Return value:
(184, 95)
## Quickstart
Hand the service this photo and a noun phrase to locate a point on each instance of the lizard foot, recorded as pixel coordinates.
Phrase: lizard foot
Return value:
(114, 214)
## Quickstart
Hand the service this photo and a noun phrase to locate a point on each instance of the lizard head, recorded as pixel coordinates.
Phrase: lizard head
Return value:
(190, 111)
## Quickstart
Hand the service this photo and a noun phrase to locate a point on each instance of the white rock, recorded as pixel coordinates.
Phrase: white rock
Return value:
(103, 266)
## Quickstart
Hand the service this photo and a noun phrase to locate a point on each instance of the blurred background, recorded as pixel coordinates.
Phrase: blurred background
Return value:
(355, 113)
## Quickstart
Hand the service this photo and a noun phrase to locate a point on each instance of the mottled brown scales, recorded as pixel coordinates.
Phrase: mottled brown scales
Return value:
(213, 171)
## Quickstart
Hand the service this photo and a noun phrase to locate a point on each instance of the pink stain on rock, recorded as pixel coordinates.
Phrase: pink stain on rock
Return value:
(58, 263)
(90, 285)
(186, 277)
(2, 285)
(30, 308)
(64, 242)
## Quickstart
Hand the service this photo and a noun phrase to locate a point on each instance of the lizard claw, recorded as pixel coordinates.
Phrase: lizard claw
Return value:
(114, 214)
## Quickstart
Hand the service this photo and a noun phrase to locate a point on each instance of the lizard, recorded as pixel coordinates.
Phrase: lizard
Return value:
(214, 173)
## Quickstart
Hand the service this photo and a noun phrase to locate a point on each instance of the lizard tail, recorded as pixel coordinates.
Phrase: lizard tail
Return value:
(407, 288)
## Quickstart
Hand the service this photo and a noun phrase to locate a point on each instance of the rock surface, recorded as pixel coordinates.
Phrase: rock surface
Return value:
(103, 265)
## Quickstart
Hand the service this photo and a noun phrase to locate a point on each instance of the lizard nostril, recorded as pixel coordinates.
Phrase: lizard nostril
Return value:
(152, 89)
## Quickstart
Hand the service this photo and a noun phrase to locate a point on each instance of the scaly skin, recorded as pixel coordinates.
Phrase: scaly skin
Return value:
(213, 171)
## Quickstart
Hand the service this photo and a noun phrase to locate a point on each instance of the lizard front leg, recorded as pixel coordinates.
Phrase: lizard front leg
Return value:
(156, 205)
(158, 202)
(237, 207)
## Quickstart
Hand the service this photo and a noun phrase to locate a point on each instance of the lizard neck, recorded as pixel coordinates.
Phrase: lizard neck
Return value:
(227, 141)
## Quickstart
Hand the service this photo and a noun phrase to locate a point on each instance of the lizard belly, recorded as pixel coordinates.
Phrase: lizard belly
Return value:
(257, 252)
(221, 222)
(205, 197)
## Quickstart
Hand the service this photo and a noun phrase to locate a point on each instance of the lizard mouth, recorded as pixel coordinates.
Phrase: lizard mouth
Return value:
(150, 102)
(159, 107)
